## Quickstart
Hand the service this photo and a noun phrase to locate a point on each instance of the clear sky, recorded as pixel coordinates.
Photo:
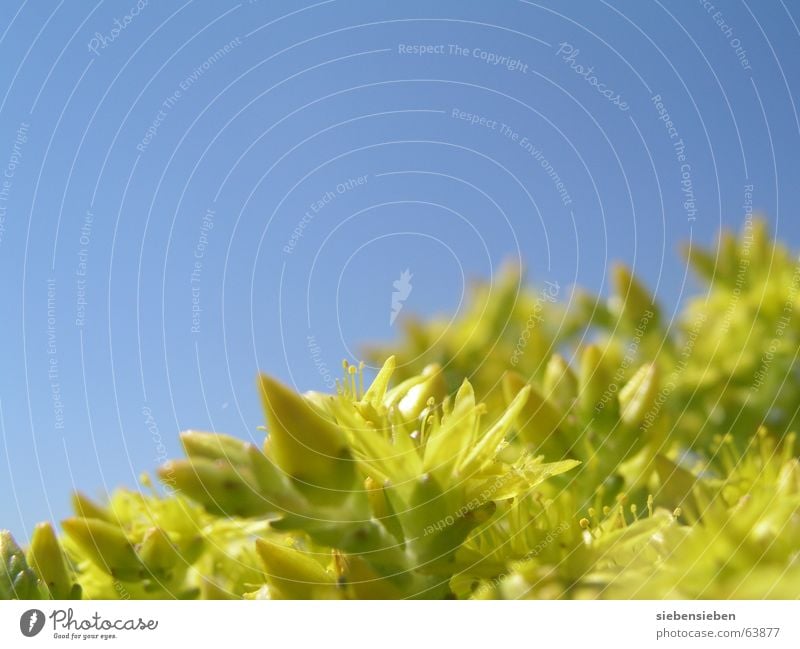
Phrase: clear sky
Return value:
(190, 190)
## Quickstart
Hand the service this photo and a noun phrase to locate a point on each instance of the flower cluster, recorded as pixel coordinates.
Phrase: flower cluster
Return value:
(528, 449)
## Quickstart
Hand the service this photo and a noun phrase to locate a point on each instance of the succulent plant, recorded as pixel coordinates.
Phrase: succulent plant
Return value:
(526, 449)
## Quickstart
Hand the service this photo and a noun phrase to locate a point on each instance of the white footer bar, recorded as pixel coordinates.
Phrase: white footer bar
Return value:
(406, 625)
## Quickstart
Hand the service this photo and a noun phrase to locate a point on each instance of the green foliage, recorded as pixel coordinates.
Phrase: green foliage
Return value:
(601, 449)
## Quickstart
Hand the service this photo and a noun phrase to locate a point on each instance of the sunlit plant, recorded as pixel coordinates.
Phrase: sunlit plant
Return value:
(526, 450)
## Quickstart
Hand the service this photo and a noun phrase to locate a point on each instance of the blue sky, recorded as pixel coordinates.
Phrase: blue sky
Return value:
(189, 190)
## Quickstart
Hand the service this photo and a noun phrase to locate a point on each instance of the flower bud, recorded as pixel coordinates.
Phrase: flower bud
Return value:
(703, 262)
(594, 385)
(272, 482)
(382, 509)
(364, 583)
(538, 420)
(214, 446)
(47, 558)
(17, 580)
(293, 573)
(105, 545)
(638, 395)
(87, 508)
(632, 300)
(218, 486)
(560, 384)
(312, 449)
(162, 557)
